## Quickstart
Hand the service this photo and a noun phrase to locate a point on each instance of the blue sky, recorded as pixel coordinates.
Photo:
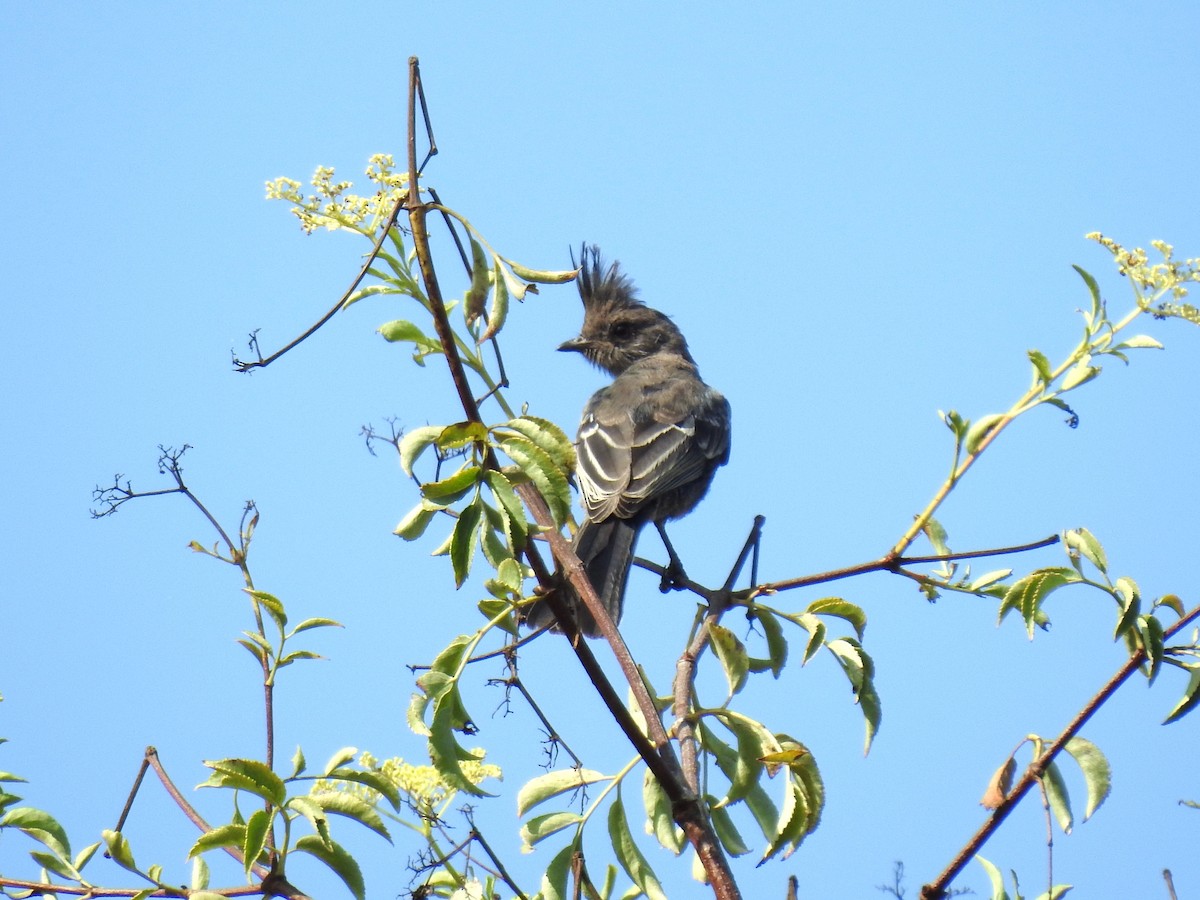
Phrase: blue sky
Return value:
(857, 215)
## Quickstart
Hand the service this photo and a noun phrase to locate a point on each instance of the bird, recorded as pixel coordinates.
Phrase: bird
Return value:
(648, 444)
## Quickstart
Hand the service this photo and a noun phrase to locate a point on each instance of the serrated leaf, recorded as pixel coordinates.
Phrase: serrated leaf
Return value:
(416, 521)
(843, 609)
(338, 860)
(340, 758)
(629, 855)
(1097, 774)
(312, 813)
(453, 487)
(55, 864)
(551, 784)
(515, 523)
(984, 581)
(554, 879)
(539, 467)
(731, 653)
(1058, 797)
(255, 838)
(462, 542)
(346, 804)
(374, 780)
(1029, 593)
(247, 775)
(761, 806)
(754, 741)
(1150, 632)
(548, 436)
(231, 835)
(541, 827)
(272, 604)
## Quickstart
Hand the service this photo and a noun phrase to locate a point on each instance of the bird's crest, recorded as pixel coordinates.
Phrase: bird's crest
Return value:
(600, 287)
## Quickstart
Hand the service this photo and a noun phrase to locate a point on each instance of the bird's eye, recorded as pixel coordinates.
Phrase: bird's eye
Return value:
(621, 330)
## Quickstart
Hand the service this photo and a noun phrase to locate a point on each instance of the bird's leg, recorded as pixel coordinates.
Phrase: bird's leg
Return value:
(674, 578)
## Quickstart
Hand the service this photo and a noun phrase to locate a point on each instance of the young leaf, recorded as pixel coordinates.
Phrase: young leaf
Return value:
(255, 838)
(1085, 543)
(247, 775)
(628, 854)
(659, 820)
(1097, 774)
(414, 443)
(980, 430)
(478, 291)
(539, 828)
(731, 653)
(118, 849)
(995, 877)
(1029, 593)
(1041, 367)
(346, 804)
(341, 862)
(231, 835)
(340, 758)
(498, 311)
(1057, 797)
(542, 276)
(554, 783)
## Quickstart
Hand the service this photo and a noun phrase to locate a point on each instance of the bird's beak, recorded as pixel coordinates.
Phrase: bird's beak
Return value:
(577, 344)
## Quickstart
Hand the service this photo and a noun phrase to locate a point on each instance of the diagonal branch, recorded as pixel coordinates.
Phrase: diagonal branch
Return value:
(937, 889)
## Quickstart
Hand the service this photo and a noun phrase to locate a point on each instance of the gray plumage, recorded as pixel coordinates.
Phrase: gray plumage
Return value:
(648, 443)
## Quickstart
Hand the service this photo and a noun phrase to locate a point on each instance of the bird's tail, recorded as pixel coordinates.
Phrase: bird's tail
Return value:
(606, 551)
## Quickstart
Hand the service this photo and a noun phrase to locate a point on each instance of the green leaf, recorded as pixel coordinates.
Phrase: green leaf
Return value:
(462, 543)
(860, 670)
(548, 436)
(754, 741)
(414, 443)
(660, 821)
(374, 780)
(231, 835)
(498, 310)
(554, 879)
(842, 609)
(1057, 797)
(1041, 367)
(272, 604)
(731, 653)
(255, 838)
(417, 520)
(1150, 632)
(560, 781)
(313, 813)
(1097, 774)
(984, 581)
(980, 430)
(453, 487)
(727, 832)
(339, 759)
(516, 525)
(400, 331)
(539, 467)
(777, 646)
(761, 806)
(628, 854)
(1079, 374)
(315, 623)
(539, 828)
(53, 863)
(346, 804)
(1029, 593)
(994, 875)
(41, 826)
(118, 849)
(477, 293)
(337, 859)
(542, 276)
(1139, 342)
(247, 775)
(1094, 290)
(200, 875)
(1085, 543)
(1191, 697)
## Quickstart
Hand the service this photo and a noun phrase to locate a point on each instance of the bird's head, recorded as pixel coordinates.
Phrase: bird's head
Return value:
(618, 329)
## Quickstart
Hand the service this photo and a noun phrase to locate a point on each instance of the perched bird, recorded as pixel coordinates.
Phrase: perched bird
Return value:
(648, 443)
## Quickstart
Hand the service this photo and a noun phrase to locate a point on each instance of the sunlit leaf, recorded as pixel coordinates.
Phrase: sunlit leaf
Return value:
(551, 784)
(1058, 797)
(338, 860)
(247, 775)
(1097, 774)
(629, 855)
(255, 838)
